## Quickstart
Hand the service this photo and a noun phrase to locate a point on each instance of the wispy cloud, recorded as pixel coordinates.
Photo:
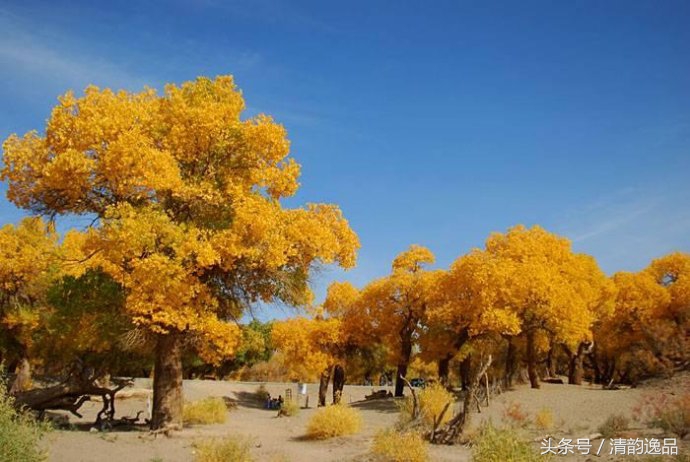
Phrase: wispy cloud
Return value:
(628, 228)
(27, 51)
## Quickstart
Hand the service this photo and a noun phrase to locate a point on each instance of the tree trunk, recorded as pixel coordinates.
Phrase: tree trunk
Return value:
(532, 360)
(551, 362)
(444, 369)
(22, 380)
(466, 372)
(406, 352)
(338, 383)
(510, 364)
(323, 385)
(576, 370)
(167, 383)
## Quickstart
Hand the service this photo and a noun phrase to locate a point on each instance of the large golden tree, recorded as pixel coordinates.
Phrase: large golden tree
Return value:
(186, 197)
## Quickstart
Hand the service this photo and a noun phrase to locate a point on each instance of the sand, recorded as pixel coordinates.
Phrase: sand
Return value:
(578, 412)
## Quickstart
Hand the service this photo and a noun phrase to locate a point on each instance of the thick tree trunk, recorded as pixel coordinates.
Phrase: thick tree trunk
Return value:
(167, 383)
(510, 364)
(22, 380)
(338, 383)
(532, 360)
(406, 352)
(323, 385)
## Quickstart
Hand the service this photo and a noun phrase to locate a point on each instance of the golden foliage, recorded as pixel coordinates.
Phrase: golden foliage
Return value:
(187, 195)
(206, 411)
(392, 446)
(336, 420)
(307, 346)
(223, 450)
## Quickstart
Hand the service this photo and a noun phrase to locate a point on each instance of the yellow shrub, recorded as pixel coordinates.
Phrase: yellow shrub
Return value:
(501, 445)
(432, 400)
(289, 409)
(544, 419)
(336, 420)
(392, 446)
(229, 449)
(206, 411)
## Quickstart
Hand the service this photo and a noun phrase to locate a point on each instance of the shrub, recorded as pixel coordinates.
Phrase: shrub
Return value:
(261, 394)
(336, 420)
(516, 415)
(206, 411)
(289, 409)
(544, 419)
(671, 414)
(230, 449)
(19, 432)
(614, 425)
(503, 445)
(432, 401)
(392, 446)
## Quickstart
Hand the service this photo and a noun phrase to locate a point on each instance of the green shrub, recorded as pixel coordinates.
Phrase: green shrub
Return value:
(206, 411)
(503, 445)
(392, 446)
(614, 425)
(230, 449)
(19, 432)
(336, 420)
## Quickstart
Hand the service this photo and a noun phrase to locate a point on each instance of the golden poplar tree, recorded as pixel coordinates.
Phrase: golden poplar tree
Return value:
(396, 305)
(550, 288)
(186, 196)
(28, 266)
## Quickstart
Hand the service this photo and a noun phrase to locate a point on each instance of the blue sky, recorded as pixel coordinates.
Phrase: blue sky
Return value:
(432, 123)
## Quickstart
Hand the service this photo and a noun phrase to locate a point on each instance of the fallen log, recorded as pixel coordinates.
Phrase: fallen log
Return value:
(70, 395)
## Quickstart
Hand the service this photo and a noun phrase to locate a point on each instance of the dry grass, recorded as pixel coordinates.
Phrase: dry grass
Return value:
(392, 446)
(289, 409)
(503, 445)
(336, 420)
(206, 411)
(614, 425)
(515, 415)
(671, 414)
(544, 419)
(230, 449)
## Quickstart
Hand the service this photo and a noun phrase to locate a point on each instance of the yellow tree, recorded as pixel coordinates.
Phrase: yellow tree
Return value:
(466, 307)
(623, 335)
(395, 306)
(28, 265)
(672, 272)
(309, 348)
(551, 289)
(186, 196)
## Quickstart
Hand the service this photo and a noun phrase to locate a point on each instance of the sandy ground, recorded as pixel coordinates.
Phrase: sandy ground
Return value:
(578, 411)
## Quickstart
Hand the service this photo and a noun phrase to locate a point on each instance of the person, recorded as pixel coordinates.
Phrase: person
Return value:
(268, 402)
(280, 401)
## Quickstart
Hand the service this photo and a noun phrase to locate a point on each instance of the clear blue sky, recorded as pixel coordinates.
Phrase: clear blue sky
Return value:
(432, 124)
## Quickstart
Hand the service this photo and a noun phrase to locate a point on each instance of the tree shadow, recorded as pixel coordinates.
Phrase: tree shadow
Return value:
(248, 399)
(386, 405)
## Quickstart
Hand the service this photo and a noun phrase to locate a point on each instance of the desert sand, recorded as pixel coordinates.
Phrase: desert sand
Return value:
(578, 411)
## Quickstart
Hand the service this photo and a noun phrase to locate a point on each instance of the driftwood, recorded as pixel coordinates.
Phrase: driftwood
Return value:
(449, 433)
(71, 394)
(381, 394)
